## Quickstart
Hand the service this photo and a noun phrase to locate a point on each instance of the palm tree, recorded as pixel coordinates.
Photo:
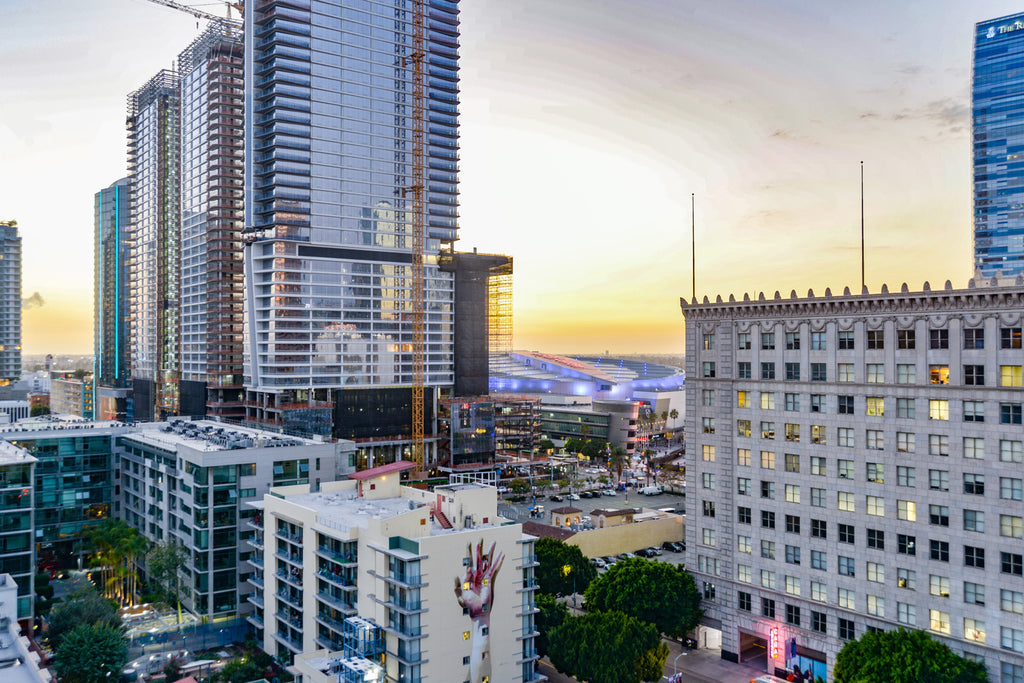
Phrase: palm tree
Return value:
(648, 458)
(617, 460)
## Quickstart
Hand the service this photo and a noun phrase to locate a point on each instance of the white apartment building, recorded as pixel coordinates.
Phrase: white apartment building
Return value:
(856, 463)
(447, 584)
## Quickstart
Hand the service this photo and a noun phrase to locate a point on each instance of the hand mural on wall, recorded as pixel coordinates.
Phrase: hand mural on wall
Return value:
(475, 593)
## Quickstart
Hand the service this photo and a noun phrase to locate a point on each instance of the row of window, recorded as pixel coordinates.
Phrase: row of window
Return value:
(906, 373)
(973, 338)
(874, 406)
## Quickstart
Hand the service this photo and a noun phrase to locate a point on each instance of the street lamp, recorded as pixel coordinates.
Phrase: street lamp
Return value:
(566, 571)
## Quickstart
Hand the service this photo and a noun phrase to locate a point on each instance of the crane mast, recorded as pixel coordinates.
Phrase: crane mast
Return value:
(419, 219)
(200, 14)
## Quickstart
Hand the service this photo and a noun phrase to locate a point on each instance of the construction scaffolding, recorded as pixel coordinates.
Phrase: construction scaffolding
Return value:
(499, 309)
(516, 425)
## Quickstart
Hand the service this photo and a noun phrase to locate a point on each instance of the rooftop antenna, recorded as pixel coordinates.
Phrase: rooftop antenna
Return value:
(693, 250)
(862, 284)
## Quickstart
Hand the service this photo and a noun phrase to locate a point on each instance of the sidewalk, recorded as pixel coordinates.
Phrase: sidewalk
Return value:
(706, 666)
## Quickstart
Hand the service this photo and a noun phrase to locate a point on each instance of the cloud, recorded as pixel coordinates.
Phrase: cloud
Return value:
(34, 301)
(950, 113)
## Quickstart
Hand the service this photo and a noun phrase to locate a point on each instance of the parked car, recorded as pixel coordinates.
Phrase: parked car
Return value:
(585, 494)
(573, 496)
(673, 546)
(608, 492)
(598, 562)
(609, 560)
(626, 556)
(651, 490)
(655, 550)
(556, 498)
(644, 552)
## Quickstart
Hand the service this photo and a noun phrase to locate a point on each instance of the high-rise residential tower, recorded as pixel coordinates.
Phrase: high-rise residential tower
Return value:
(10, 302)
(211, 223)
(997, 115)
(351, 184)
(154, 245)
(110, 302)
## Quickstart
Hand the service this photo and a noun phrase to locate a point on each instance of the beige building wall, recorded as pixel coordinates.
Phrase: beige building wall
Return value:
(625, 538)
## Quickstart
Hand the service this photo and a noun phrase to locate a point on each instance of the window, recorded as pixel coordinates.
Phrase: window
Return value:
(938, 409)
(846, 341)
(876, 606)
(818, 560)
(1011, 488)
(974, 375)
(709, 508)
(906, 476)
(768, 608)
(974, 520)
(819, 528)
(792, 493)
(1010, 376)
(767, 400)
(743, 601)
(938, 444)
(708, 425)
(1011, 563)
(1011, 638)
(906, 545)
(817, 341)
(974, 338)
(938, 374)
(818, 591)
(707, 397)
(793, 615)
(708, 453)
(847, 598)
(906, 510)
(817, 498)
(974, 484)
(743, 544)
(817, 403)
(792, 372)
(767, 579)
(743, 370)
(906, 442)
(847, 533)
(1009, 413)
(743, 515)
(793, 402)
(742, 427)
(819, 435)
(767, 341)
(875, 439)
(819, 372)
(905, 339)
(708, 537)
(876, 572)
(974, 411)
(744, 573)
(817, 466)
(974, 593)
(938, 339)
(767, 460)
(875, 406)
(906, 614)
(974, 557)
(1011, 601)
(846, 502)
(974, 448)
(845, 371)
(845, 405)
(792, 461)
(1010, 337)
(819, 622)
(743, 486)
(792, 341)
(742, 399)
(876, 472)
(743, 341)
(938, 621)
(938, 586)
(709, 342)
(768, 490)
(844, 469)
(938, 515)
(792, 524)
(708, 368)
(793, 554)
(846, 437)
(792, 432)
(1011, 451)
(743, 456)
(876, 339)
(768, 550)
(906, 578)
(938, 480)
(709, 590)
(876, 539)
(707, 480)
(876, 373)
(767, 370)
(1011, 526)
(906, 373)
(767, 519)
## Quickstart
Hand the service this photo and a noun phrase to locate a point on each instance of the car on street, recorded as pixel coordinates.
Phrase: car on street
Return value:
(556, 498)
(673, 546)
(573, 496)
(608, 492)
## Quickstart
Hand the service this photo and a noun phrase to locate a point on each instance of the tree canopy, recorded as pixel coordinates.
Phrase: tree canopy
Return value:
(560, 565)
(552, 614)
(903, 656)
(660, 593)
(82, 607)
(91, 653)
(164, 562)
(607, 647)
(593, 449)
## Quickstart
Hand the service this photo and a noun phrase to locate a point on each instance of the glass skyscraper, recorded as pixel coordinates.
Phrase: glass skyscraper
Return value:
(10, 302)
(998, 126)
(110, 303)
(330, 180)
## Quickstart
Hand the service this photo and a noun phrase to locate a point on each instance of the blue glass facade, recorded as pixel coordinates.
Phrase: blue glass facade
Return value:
(111, 300)
(998, 127)
(329, 171)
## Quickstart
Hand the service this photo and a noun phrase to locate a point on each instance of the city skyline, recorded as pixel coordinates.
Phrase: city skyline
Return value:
(585, 127)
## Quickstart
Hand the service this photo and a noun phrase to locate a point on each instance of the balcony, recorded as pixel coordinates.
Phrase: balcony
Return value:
(289, 619)
(337, 579)
(293, 538)
(293, 578)
(255, 599)
(255, 581)
(338, 603)
(288, 599)
(344, 559)
(293, 644)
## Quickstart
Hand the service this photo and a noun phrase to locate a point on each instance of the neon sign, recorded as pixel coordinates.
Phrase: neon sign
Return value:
(773, 642)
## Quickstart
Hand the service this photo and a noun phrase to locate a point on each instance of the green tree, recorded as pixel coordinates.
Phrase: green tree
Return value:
(674, 414)
(82, 607)
(573, 445)
(562, 567)
(164, 562)
(546, 445)
(519, 486)
(657, 592)
(240, 670)
(608, 647)
(618, 460)
(592, 449)
(552, 615)
(39, 409)
(902, 656)
(91, 653)
(118, 549)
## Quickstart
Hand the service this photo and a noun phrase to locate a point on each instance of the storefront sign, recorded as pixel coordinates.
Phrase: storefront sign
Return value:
(773, 642)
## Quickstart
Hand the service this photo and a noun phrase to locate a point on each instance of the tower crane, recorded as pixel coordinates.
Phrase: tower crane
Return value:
(200, 14)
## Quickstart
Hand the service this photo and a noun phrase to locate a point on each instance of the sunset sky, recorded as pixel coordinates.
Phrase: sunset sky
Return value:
(586, 125)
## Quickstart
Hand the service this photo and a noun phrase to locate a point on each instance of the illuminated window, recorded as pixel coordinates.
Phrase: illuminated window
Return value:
(1010, 376)
(846, 501)
(938, 621)
(876, 572)
(792, 432)
(767, 400)
(974, 630)
(792, 493)
(938, 374)
(847, 598)
(743, 544)
(743, 456)
(876, 506)
(875, 406)
(1011, 526)
(1010, 337)
(767, 460)
(938, 586)
(742, 427)
(742, 399)
(906, 510)
(938, 409)
(708, 453)
(767, 430)
(876, 606)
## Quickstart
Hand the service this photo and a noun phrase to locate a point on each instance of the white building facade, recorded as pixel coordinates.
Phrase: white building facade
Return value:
(856, 463)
